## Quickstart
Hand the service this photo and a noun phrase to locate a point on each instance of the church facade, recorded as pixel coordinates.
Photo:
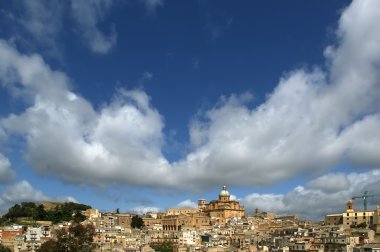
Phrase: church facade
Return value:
(216, 211)
(222, 208)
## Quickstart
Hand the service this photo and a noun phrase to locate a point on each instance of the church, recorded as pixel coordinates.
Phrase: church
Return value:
(220, 211)
(222, 208)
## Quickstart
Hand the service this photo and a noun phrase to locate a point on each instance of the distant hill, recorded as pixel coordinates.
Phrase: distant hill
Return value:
(50, 205)
(55, 212)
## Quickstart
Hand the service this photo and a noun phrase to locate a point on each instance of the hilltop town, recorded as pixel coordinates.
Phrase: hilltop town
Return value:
(219, 225)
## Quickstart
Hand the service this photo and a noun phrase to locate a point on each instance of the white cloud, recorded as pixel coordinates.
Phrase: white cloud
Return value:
(187, 204)
(233, 197)
(39, 16)
(66, 199)
(24, 192)
(311, 122)
(6, 173)
(146, 209)
(265, 202)
(330, 183)
(88, 14)
(40, 21)
(67, 137)
(44, 21)
(313, 200)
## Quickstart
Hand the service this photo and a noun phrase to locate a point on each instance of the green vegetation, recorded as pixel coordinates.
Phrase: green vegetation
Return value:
(49, 246)
(361, 225)
(4, 249)
(77, 238)
(162, 247)
(137, 222)
(36, 212)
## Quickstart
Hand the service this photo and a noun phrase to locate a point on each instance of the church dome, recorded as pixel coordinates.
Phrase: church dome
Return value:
(224, 192)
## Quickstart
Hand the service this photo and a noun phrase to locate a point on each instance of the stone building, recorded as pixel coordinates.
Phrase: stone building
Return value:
(352, 217)
(178, 222)
(376, 220)
(222, 208)
(219, 210)
(178, 211)
(334, 219)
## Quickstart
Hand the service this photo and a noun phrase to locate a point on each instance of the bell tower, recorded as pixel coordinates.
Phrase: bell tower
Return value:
(350, 206)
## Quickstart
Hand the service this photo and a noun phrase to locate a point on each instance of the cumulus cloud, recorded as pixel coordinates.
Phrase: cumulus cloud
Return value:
(313, 200)
(330, 183)
(88, 14)
(312, 121)
(24, 192)
(6, 173)
(66, 199)
(146, 209)
(65, 136)
(187, 204)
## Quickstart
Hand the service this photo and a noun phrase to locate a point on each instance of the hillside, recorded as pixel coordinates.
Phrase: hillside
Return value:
(45, 211)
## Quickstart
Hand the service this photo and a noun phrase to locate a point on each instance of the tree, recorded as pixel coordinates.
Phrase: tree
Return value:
(4, 249)
(40, 213)
(362, 225)
(79, 217)
(32, 211)
(137, 222)
(49, 246)
(162, 247)
(77, 238)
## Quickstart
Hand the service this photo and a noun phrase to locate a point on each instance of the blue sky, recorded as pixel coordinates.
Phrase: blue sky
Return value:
(150, 104)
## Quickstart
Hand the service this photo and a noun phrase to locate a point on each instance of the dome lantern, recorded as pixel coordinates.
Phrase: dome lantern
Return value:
(224, 194)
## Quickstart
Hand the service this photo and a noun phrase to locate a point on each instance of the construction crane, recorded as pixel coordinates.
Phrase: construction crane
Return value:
(365, 196)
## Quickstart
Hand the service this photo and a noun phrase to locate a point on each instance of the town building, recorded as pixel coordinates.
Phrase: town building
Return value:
(334, 219)
(179, 211)
(376, 220)
(222, 208)
(352, 217)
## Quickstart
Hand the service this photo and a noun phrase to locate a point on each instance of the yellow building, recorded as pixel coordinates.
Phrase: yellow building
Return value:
(179, 211)
(222, 208)
(219, 210)
(178, 222)
(352, 217)
(334, 219)
(376, 220)
(92, 213)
